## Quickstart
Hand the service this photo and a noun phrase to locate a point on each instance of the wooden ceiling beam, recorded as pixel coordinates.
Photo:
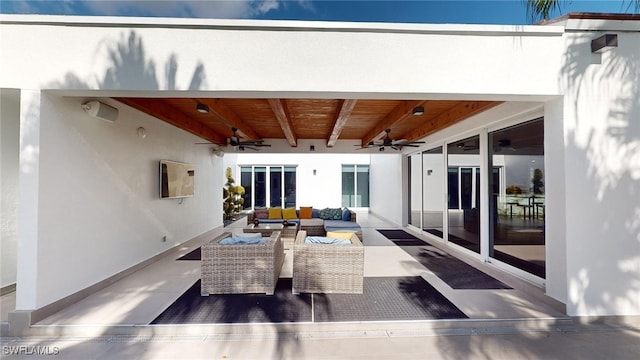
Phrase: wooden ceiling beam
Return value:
(397, 114)
(457, 113)
(281, 112)
(342, 115)
(167, 113)
(229, 117)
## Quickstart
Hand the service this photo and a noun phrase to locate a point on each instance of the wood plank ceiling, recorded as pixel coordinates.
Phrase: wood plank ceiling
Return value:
(295, 119)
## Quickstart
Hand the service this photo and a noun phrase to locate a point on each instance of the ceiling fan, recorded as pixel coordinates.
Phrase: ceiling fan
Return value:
(387, 141)
(241, 145)
(502, 145)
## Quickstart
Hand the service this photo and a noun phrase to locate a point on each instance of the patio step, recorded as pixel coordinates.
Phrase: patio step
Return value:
(316, 330)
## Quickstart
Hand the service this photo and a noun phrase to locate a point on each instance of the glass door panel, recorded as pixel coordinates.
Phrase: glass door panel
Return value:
(463, 186)
(517, 230)
(415, 190)
(260, 186)
(362, 185)
(432, 191)
(275, 186)
(246, 174)
(289, 186)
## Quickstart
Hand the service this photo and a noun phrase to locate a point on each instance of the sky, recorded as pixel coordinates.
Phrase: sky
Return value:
(400, 11)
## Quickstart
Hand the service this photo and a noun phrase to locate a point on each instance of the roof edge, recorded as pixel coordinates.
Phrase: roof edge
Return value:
(592, 16)
(279, 25)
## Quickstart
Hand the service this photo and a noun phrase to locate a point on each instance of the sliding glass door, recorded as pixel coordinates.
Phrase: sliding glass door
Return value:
(515, 198)
(463, 192)
(517, 201)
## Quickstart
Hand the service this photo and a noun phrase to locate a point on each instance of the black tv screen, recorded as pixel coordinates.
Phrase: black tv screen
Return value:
(176, 179)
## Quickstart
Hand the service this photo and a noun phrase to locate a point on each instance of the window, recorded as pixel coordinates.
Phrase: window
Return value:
(355, 185)
(272, 185)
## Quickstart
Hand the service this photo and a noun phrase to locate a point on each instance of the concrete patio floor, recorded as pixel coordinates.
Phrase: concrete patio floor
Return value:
(520, 323)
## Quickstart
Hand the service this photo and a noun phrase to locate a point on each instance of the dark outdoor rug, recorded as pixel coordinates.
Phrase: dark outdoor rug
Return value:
(192, 255)
(475, 247)
(283, 306)
(456, 273)
(395, 234)
(402, 238)
(404, 242)
(386, 298)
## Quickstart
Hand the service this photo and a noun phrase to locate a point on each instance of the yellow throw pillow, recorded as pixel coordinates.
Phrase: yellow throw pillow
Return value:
(275, 213)
(340, 235)
(289, 213)
(306, 212)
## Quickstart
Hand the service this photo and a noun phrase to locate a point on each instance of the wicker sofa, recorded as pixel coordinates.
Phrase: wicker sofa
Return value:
(241, 269)
(317, 226)
(325, 268)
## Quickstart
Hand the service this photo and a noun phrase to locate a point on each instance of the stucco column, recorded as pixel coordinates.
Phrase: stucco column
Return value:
(29, 183)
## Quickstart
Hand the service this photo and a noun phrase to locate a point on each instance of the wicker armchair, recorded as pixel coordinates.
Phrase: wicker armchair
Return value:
(323, 268)
(241, 269)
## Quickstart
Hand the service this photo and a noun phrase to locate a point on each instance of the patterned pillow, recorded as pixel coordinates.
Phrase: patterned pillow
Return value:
(261, 213)
(331, 214)
(336, 214)
(325, 214)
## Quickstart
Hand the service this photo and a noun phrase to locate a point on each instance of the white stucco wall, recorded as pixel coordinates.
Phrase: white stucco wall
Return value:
(602, 175)
(254, 56)
(98, 209)
(9, 154)
(387, 187)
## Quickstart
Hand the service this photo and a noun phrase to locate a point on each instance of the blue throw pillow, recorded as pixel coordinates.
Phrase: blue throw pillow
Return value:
(346, 215)
(326, 240)
(242, 240)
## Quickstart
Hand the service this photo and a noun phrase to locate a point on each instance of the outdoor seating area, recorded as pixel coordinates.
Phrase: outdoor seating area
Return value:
(316, 222)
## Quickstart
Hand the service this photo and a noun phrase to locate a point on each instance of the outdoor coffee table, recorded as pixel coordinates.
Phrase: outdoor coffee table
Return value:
(287, 233)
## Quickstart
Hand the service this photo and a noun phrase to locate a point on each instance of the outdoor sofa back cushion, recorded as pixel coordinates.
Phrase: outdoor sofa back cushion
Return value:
(289, 213)
(275, 213)
(306, 212)
(331, 214)
(261, 213)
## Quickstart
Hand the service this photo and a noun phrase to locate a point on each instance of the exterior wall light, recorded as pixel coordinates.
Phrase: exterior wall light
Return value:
(604, 43)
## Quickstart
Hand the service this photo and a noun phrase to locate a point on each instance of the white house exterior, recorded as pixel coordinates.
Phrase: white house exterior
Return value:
(80, 197)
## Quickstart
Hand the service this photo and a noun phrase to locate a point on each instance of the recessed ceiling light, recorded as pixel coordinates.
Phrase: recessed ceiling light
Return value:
(418, 110)
(202, 108)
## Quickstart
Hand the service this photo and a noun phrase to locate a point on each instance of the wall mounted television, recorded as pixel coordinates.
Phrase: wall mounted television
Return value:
(176, 179)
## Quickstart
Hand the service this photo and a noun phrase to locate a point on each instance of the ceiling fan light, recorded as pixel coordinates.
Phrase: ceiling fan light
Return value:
(202, 108)
(418, 110)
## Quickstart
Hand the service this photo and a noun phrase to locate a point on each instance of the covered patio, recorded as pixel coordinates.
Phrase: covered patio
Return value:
(130, 305)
